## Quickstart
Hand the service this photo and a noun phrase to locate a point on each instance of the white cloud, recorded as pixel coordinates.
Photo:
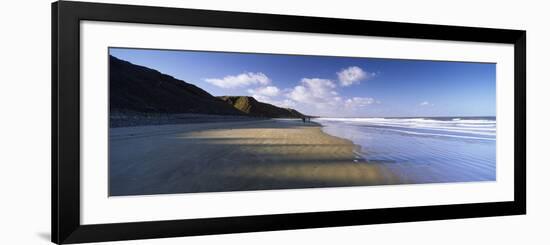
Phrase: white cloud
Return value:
(241, 80)
(265, 91)
(357, 102)
(352, 75)
(267, 94)
(286, 103)
(315, 91)
(321, 96)
(262, 98)
(425, 103)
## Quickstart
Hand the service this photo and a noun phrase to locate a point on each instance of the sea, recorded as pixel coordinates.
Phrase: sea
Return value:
(442, 149)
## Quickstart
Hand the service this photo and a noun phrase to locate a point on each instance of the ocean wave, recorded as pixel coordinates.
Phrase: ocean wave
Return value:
(416, 120)
(441, 135)
(452, 127)
(445, 148)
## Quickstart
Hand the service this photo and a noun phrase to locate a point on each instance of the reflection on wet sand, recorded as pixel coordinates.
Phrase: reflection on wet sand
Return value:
(236, 156)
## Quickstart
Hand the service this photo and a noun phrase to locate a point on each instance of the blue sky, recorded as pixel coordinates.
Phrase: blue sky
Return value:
(334, 86)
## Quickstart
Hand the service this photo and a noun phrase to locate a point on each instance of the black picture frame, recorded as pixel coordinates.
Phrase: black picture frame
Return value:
(65, 167)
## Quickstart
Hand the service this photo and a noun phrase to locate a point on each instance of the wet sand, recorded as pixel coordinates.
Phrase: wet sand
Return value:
(235, 156)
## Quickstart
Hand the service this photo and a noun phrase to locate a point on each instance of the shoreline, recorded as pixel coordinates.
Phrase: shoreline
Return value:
(136, 119)
(424, 150)
(235, 156)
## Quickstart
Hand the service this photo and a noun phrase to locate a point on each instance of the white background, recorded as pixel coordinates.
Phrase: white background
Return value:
(25, 124)
(96, 37)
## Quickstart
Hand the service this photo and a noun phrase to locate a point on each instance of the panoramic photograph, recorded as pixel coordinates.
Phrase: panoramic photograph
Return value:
(206, 121)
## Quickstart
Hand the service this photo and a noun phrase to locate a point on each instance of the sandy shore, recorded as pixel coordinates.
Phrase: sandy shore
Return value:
(234, 156)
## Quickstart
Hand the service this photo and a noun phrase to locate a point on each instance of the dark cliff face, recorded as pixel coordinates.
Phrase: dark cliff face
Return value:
(134, 88)
(140, 89)
(252, 107)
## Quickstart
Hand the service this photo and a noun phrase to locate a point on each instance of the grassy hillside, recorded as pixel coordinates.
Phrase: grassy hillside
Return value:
(252, 107)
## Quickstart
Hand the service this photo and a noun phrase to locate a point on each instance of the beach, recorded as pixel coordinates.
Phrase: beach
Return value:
(236, 156)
